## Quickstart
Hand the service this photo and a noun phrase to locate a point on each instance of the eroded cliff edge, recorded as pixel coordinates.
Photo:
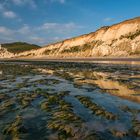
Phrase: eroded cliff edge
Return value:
(119, 40)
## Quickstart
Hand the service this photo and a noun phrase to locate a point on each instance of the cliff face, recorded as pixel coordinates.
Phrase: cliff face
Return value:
(4, 53)
(121, 39)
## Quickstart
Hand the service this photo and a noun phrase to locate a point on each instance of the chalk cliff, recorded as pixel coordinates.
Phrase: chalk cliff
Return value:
(4, 53)
(119, 40)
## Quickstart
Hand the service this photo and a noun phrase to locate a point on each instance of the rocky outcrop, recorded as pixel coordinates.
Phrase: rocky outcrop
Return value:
(4, 53)
(119, 40)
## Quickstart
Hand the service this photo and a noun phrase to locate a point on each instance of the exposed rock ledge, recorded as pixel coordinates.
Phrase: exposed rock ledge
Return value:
(4, 53)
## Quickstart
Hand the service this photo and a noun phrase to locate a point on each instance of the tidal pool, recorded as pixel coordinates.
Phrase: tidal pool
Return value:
(69, 101)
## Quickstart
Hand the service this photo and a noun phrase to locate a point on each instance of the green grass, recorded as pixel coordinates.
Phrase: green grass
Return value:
(47, 52)
(72, 49)
(131, 35)
(137, 52)
(83, 48)
(18, 47)
(78, 48)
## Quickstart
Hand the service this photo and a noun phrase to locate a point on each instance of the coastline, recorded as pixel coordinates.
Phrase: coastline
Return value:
(87, 60)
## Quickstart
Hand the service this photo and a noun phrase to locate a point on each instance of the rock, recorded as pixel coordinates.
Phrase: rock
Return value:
(96, 109)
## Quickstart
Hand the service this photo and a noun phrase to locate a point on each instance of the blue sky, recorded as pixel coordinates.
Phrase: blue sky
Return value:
(45, 21)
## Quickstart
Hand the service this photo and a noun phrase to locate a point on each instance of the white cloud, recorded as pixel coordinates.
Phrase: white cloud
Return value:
(25, 29)
(18, 2)
(43, 34)
(5, 31)
(9, 14)
(37, 39)
(59, 27)
(24, 33)
(31, 3)
(108, 19)
(60, 1)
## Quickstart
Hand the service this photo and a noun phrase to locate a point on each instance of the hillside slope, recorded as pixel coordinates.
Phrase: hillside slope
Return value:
(18, 47)
(119, 40)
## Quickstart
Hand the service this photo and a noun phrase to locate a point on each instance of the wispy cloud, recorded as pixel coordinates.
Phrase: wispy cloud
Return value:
(5, 31)
(40, 40)
(9, 14)
(25, 29)
(24, 33)
(18, 2)
(108, 19)
(43, 34)
(59, 27)
(60, 1)
(31, 3)
(55, 1)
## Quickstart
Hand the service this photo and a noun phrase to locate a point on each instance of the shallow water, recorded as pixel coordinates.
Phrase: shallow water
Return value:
(74, 101)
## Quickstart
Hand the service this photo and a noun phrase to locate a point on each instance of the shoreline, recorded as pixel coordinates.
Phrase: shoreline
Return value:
(86, 60)
(75, 59)
(129, 61)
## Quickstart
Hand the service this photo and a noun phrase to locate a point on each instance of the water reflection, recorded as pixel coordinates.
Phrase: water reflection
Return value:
(69, 101)
(118, 62)
(120, 86)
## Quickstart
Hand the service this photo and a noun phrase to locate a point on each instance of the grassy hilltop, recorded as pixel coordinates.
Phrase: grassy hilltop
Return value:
(18, 47)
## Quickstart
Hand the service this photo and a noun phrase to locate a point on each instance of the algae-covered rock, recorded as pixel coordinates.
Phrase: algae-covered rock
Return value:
(16, 129)
(135, 127)
(96, 109)
(131, 110)
(45, 106)
(93, 136)
(8, 104)
(118, 133)
(3, 97)
(25, 99)
(53, 99)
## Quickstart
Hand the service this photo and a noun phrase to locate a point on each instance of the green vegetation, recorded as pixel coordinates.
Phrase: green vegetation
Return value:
(96, 109)
(86, 47)
(63, 120)
(135, 127)
(131, 35)
(16, 129)
(47, 52)
(78, 48)
(72, 49)
(17, 47)
(83, 48)
(135, 53)
(97, 42)
(59, 101)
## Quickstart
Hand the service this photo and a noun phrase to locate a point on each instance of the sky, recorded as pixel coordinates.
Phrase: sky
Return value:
(45, 21)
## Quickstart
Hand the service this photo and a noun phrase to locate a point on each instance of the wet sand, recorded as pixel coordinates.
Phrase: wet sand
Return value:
(55, 99)
(135, 61)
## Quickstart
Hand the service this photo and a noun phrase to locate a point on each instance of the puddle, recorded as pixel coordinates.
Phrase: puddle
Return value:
(69, 101)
